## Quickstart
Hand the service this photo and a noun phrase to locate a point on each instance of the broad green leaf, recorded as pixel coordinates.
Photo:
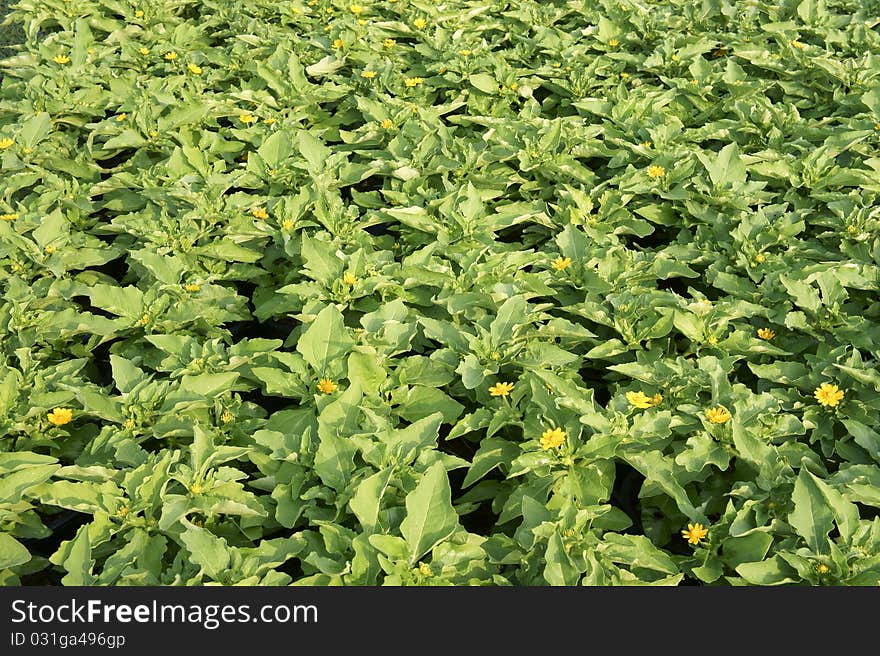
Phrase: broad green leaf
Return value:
(430, 517)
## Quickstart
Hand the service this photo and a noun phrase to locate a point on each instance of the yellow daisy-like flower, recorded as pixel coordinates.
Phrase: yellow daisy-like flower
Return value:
(248, 118)
(227, 416)
(12, 216)
(465, 53)
(656, 172)
(718, 415)
(387, 123)
(413, 81)
(641, 400)
(327, 386)
(192, 287)
(822, 568)
(170, 56)
(61, 59)
(260, 213)
(195, 69)
(828, 394)
(144, 51)
(129, 423)
(766, 333)
(139, 13)
(694, 533)
(760, 258)
(287, 224)
(123, 511)
(420, 23)
(269, 121)
(646, 144)
(349, 279)
(369, 74)
(560, 263)
(552, 438)
(797, 44)
(6, 143)
(60, 416)
(389, 43)
(425, 569)
(613, 42)
(196, 488)
(356, 9)
(338, 43)
(501, 389)
(50, 249)
(121, 117)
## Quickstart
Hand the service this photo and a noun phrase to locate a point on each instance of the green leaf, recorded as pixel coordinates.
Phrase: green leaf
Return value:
(207, 551)
(325, 341)
(12, 552)
(367, 499)
(430, 517)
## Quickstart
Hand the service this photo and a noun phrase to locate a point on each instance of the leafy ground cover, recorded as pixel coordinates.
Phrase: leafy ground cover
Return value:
(429, 293)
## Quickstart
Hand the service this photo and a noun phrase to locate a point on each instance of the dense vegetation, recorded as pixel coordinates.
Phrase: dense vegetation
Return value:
(426, 293)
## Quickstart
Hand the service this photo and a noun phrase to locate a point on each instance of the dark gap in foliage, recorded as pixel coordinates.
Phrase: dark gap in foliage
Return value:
(625, 494)
(116, 160)
(269, 403)
(595, 380)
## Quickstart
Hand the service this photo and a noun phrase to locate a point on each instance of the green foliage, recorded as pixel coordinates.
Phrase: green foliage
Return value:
(440, 293)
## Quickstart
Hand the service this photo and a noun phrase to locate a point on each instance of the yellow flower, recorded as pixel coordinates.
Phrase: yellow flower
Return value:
(349, 279)
(356, 9)
(287, 224)
(61, 59)
(269, 121)
(9, 217)
(389, 43)
(50, 249)
(645, 144)
(501, 389)
(194, 69)
(121, 117)
(613, 42)
(694, 533)
(128, 424)
(196, 488)
(552, 438)
(560, 263)
(420, 23)
(361, 21)
(676, 58)
(641, 400)
(387, 123)
(828, 395)
(60, 416)
(369, 74)
(797, 44)
(227, 416)
(413, 81)
(465, 53)
(139, 13)
(425, 569)
(260, 213)
(154, 134)
(656, 171)
(6, 143)
(192, 287)
(766, 333)
(760, 257)
(144, 51)
(327, 386)
(144, 320)
(338, 43)
(170, 56)
(248, 118)
(718, 415)
(713, 340)
(822, 568)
